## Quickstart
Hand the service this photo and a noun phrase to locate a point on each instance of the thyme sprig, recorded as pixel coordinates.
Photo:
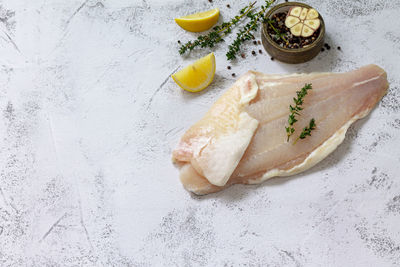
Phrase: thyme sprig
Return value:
(218, 32)
(296, 111)
(306, 130)
(247, 32)
(279, 35)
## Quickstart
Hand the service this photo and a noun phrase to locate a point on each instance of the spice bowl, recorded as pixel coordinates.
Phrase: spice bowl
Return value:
(291, 55)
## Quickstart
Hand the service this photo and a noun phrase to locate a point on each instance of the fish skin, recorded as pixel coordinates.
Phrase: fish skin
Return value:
(336, 101)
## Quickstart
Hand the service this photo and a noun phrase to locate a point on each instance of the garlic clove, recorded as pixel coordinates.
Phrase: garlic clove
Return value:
(297, 29)
(290, 21)
(313, 23)
(306, 31)
(295, 11)
(303, 13)
(312, 14)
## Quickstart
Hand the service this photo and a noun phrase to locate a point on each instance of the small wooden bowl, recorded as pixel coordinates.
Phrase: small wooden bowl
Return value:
(298, 55)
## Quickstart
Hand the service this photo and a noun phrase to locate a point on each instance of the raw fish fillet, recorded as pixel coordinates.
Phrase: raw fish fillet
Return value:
(242, 138)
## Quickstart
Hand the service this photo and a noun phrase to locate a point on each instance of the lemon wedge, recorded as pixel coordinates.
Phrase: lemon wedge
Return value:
(196, 76)
(199, 22)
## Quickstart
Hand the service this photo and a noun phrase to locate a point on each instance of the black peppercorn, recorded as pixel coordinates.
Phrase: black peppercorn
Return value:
(253, 52)
(228, 6)
(259, 42)
(229, 67)
(255, 42)
(338, 48)
(179, 41)
(233, 74)
(272, 58)
(322, 49)
(242, 55)
(260, 51)
(210, 1)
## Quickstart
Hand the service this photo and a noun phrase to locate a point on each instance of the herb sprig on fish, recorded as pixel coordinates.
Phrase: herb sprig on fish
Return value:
(295, 111)
(306, 130)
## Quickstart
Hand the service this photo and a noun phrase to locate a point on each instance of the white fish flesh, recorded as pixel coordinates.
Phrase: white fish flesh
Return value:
(242, 138)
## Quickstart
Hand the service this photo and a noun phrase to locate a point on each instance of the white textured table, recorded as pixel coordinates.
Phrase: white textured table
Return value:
(89, 117)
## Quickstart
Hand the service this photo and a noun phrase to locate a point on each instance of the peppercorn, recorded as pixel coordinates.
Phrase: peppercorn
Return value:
(338, 48)
(259, 42)
(233, 74)
(260, 51)
(229, 67)
(253, 52)
(255, 42)
(242, 55)
(322, 49)
(179, 41)
(228, 6)
(210, 1)
(272, 58)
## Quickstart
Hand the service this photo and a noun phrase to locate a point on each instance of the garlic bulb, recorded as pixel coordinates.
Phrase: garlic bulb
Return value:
(302, 21)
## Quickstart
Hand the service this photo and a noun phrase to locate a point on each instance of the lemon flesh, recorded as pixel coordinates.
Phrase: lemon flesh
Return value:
(199, 22)
(196, 76)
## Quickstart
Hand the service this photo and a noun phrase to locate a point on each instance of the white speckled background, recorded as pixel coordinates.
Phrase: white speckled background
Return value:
(89, 117)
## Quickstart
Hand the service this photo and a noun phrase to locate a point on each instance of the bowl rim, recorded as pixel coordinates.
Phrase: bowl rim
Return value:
(293, 50)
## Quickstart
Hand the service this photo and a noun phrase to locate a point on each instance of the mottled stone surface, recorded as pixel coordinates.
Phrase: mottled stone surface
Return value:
(89, 117)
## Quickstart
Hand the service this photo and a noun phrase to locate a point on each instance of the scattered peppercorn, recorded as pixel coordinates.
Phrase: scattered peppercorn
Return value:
(242, 55)
(260, 51)
(259, 42)
(286, 0)
(338, 48)
(255, 42)
(233, 74)
(179, 41)
(229, 67)
(292, 42)
(210, 1)
(272, 58)
(228, 6)
(322, 49)
(253, 52)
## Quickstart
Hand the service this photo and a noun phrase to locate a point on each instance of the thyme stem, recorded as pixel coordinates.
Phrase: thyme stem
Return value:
(296, 110)
(277, 32)
(249, 8)
(245, 34)
(306, 130)
(218, 32)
